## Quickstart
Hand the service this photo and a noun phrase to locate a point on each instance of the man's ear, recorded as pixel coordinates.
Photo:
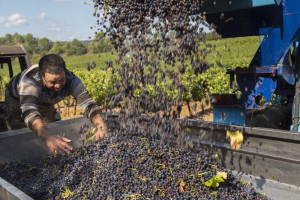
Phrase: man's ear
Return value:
(43, 79)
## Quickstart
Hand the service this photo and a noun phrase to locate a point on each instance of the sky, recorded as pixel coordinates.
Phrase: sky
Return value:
(57, 20)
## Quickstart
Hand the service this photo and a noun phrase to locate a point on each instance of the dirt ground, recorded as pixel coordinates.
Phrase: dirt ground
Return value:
(203, 111)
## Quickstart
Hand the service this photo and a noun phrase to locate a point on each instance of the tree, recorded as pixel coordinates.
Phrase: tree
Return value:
(2, 41)
(80, 48)
(44, 45)
(9, 39)
(74, 48)
(57, 48)
(31, 43)
(18, 39)
(68, 50)
(101, 44)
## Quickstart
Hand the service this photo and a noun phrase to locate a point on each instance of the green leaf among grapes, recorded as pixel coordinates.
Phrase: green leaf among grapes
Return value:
(215, 181)
(66, 192)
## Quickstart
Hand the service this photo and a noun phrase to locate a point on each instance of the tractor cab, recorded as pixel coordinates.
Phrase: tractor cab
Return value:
(13, 59)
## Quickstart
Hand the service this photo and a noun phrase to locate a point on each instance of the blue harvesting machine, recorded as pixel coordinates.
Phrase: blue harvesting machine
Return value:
(269, 85)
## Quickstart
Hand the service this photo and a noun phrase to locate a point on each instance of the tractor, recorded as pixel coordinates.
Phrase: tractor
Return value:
(13, 59)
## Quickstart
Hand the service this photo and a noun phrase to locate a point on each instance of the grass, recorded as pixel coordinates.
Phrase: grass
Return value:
(72, 62)
(80, 62)
(234, 52)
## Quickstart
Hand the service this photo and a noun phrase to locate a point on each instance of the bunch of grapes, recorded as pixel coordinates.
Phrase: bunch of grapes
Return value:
(128, 166)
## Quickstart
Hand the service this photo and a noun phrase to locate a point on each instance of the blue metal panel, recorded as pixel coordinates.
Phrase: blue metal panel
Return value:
(229, 115)
(277, 40)
(252, 87)
(272, 46)
(216, 6)
(262, 2)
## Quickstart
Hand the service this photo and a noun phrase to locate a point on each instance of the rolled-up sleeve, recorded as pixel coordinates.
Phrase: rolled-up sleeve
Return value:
(80, 93)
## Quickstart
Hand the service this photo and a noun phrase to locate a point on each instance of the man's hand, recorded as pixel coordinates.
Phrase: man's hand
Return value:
(56, 144)
(101, 133)
(102, 130)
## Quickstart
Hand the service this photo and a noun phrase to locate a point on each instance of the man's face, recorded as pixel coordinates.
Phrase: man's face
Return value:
(54, 82)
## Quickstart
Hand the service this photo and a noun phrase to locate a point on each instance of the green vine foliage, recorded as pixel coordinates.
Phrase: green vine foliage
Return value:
(198, 87)
(161, 86)
(213, 80)
(229, 54)
(96, 82)
(4, 79)
(99, 82)
(216, 81)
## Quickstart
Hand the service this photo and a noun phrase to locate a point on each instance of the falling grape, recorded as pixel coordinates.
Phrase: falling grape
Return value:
(157, 43)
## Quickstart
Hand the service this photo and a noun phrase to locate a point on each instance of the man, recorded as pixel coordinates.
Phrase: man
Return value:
(30, 97)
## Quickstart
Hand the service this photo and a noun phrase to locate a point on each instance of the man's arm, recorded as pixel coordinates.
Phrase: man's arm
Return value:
(56, 144)
(91, 110)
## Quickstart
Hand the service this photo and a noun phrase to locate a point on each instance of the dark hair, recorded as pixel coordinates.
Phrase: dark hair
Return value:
(51, 63)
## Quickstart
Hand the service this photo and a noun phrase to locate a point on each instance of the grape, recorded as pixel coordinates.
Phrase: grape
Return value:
(126, 166)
